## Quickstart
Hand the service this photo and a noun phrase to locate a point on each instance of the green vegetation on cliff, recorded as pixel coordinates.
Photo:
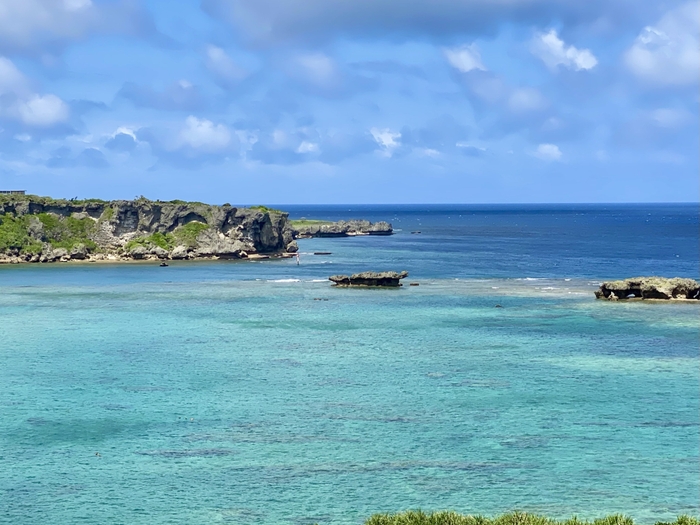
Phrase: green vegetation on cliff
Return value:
(188, 233)
(302, 223)
(265, 209)
(48, 201)
(14, 235)
(417, 517)
(185, 235)
(27, 233)
(67, 232)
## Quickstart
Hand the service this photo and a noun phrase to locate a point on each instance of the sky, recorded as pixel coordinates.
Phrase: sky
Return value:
(351, 101)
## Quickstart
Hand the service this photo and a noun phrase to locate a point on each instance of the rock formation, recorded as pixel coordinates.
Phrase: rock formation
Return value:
(649, 288)
(390, 279)
(305, 229)
(41, 229)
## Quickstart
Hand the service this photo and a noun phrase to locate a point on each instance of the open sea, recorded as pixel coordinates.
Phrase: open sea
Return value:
(244, 392)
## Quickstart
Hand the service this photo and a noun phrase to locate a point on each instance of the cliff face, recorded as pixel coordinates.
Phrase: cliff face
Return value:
(39, 229)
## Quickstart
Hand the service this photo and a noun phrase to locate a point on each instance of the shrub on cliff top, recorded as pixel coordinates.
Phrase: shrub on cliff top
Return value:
(14, 234)
(187, 234)
(163, 240)
(417, 517)
(265, 209)
(67, 232)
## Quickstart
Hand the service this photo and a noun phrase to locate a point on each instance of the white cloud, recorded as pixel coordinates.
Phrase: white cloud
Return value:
(668, 53)
(43, 111)
(204, 135)
(523, 100)
(387, 140)
(548, 152)
(464, 58)
(31, 109)
(553, 52)
(307, 147)
(11, 79)
(126, 131)
(223, 67)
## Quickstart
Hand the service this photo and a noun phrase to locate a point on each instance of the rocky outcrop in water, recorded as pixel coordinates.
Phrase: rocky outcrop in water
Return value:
(649, 288)
(41, 229)
(306, 229)
(390, 279)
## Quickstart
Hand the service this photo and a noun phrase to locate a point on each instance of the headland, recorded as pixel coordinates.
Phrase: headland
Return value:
(36, 229)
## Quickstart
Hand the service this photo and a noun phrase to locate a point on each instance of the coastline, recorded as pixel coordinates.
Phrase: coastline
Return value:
(37, 229)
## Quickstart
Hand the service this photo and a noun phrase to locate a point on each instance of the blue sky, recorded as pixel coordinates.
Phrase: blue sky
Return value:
(351, 101)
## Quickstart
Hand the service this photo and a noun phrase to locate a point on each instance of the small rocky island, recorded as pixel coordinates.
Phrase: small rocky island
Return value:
(384, 279)
(42, 229)
(649, 288)
(305, 228)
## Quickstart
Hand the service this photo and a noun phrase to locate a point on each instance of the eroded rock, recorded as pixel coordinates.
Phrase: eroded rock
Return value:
(385, 279)
(649, 288)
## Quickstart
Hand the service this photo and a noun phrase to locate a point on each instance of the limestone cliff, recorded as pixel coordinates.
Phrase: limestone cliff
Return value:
(41, 229)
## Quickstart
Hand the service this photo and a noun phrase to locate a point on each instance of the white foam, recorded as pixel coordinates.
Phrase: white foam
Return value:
(284, 281)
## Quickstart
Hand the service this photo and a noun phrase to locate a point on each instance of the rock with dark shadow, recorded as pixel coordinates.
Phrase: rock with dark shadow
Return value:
(649, 288)
(384, 279)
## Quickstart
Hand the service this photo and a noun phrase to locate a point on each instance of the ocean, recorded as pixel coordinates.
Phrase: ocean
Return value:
(252, 392)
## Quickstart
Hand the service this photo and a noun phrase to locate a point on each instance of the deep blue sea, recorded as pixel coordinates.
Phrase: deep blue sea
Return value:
(255, 393)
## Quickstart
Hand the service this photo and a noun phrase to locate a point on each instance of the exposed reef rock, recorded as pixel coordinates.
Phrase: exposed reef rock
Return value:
(649, 288)
(390, 279)
(305, 229)
(41, 229)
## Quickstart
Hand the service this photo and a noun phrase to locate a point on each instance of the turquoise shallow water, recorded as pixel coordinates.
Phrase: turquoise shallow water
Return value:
(212, 397)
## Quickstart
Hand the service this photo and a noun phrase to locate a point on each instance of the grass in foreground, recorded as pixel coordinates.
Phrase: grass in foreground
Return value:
(417, 517)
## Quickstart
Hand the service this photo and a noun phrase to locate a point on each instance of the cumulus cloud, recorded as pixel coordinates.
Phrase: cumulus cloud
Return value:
(204, 135)
(548, 152)
(123, 140)
(387, 140)
(465, 58)
(227, 73)
(668, 53)
(42, 26)
(20, 104)
(554, 53)
(42, 111)
(196, 142)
